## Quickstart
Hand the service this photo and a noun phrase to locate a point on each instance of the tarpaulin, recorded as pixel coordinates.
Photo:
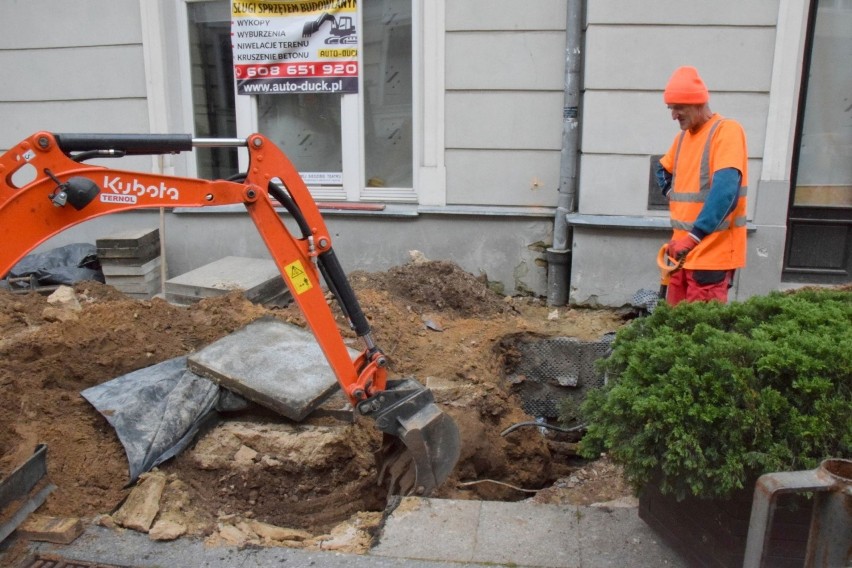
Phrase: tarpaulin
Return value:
(157, 411)
(67, 265)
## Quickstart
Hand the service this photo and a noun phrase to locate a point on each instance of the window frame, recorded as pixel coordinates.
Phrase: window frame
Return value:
(429, 174)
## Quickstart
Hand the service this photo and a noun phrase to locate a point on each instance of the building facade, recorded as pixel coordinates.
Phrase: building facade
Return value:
(455, 144)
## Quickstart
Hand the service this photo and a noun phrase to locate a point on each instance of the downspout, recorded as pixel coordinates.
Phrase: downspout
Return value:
(559, 255)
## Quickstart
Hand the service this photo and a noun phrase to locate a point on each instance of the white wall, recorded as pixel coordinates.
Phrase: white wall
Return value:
(631, 49)
(71, 67)
(505, 65)
(502, 248)
(81, 67)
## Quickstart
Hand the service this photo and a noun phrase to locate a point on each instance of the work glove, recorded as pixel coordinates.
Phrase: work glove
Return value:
(679, 248)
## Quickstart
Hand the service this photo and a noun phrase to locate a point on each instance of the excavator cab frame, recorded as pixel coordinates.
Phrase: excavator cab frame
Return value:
(422, 443)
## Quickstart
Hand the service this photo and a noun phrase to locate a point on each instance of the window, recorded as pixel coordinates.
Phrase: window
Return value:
(824, 174)
(819, 226)
(211, 75)
(346, 146)
(387, 94)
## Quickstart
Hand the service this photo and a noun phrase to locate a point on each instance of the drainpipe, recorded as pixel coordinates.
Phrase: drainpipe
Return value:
(559, 255)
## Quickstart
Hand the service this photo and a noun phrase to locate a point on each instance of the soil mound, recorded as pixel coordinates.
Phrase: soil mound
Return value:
(441, 285)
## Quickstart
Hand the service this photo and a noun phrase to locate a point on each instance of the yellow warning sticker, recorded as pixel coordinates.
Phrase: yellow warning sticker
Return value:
(298, 277)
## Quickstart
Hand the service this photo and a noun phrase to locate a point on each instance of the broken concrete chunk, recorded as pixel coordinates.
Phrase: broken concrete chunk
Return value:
(143, 503)
(105, 521)
(166, 530)
(232, 535)
(65, 297)
(54, 314)
(417, 257)
(245, 456)
(272, 532)
(51, 529)
(269, 461)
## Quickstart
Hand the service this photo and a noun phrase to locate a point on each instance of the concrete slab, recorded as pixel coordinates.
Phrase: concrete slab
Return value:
(133, 279)
(431, 529)
(522, 534)
(528, 533)
(336, 406)
(137, 285)
(282, 299)
(152, 266)
(272, 363)
(422, 533)
(129, 548)
(617, 537)
(133, 247)
(131, 238)
(258, 278)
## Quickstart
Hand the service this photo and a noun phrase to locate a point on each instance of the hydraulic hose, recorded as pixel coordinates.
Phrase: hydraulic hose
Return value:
(514, 427)
(284, 198)
(336, 278)
(332, 271)
(130, 144)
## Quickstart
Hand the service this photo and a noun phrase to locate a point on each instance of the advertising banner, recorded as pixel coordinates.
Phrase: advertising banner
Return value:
(295, 46)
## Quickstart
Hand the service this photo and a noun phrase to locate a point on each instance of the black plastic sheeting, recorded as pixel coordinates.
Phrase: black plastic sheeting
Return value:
(67, 265)
(157, 411)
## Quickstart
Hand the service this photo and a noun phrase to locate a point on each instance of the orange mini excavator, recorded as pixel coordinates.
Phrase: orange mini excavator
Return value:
(421, 443)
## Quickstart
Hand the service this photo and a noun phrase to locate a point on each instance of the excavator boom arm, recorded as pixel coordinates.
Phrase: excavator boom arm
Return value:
(119, 190)
(61, 191)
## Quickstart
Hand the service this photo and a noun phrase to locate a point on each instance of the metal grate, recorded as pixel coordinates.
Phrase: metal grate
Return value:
(51, 561)
(645, 300)
(548, 370)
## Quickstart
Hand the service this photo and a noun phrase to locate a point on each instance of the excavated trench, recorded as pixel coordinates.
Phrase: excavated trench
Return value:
(478, 351)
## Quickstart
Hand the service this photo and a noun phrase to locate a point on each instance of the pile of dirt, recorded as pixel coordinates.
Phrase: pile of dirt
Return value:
(444, 286)
(433, 320)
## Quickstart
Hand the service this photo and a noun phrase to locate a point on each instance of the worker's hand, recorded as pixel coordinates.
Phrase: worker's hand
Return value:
(679, 248)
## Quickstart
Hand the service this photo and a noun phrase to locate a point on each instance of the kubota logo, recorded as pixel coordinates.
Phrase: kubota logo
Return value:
(135, 187)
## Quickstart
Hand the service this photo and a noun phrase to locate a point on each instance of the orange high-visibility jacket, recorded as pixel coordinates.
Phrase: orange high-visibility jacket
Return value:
(692, 160)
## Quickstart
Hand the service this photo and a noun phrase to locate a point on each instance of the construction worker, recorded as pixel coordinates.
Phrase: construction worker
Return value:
(705, 176)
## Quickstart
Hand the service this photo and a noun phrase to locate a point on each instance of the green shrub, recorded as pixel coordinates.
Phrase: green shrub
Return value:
(703, 397)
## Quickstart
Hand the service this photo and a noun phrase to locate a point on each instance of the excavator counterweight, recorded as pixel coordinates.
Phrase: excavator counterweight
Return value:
(60, 190)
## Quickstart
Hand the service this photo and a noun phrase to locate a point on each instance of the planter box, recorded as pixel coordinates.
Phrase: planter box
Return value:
(713, 533)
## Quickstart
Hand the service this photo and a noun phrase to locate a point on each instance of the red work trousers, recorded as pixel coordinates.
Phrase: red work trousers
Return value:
(684, 286)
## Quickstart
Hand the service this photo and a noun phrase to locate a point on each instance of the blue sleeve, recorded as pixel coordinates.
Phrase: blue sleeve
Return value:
(724, 192)
(664, 178)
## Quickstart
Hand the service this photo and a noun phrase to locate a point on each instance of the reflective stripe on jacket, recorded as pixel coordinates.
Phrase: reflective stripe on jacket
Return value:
(693, 160)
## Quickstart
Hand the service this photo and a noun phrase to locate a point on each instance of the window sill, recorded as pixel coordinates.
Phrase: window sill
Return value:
(326, 208)
(366, 209)
(626, 222)
(619, 222)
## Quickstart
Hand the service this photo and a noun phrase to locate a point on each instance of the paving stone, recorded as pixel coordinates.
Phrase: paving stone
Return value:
(132, 247)
(275, 364)
(61, 530)
(258, 278)
(143, 269)
(142, 505)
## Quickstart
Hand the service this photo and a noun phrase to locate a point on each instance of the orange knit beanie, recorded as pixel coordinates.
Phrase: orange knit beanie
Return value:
(686, 88)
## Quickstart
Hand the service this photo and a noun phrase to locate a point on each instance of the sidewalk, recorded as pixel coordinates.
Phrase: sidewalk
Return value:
(421, 533)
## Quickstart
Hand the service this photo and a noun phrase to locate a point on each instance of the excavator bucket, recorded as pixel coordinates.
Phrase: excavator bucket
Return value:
(421, 443)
